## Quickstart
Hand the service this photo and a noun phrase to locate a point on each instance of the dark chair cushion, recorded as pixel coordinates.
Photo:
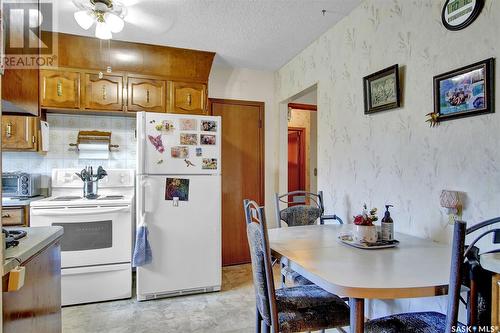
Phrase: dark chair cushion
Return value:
(310, 308)
(296, 278)
(419, 322)
(300, 215)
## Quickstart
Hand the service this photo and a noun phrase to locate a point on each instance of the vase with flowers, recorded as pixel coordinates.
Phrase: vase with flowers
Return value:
(364, 231)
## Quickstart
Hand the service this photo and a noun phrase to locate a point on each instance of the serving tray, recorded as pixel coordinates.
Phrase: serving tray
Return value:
(347, 239)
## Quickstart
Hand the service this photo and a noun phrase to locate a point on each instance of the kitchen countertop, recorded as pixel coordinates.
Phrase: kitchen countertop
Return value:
(16, 202)
(35, 241)
(491, 262)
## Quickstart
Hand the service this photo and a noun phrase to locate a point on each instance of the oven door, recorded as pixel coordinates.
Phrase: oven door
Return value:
(10, 186)
(93, 235)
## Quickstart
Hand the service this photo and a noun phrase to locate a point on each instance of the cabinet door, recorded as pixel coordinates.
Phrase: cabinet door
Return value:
(104, 93)
(147, 95)
(19, 133)
(188, 98)
(60, 89)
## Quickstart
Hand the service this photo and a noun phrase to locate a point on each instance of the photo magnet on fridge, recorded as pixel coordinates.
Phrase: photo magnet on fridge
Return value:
(199, 151)
(207, 139)
(208, 126)
(187, 124)
(177, 187)
(209, 164)
(166, 126)
(179, 152)
(188, 139)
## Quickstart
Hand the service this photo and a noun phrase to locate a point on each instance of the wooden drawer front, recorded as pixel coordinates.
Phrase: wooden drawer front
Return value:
(19, 132)
(188, 98)
(147, 95)
(105, 93)
(60, 89)
(12, 216)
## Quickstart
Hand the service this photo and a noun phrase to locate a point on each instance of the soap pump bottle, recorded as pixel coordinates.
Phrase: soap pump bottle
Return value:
(387, 225)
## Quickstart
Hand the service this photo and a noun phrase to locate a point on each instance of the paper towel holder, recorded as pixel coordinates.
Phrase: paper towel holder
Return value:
(93, 137)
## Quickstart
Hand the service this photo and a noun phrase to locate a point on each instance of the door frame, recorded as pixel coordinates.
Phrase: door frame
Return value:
(261, 106)
(302, 156)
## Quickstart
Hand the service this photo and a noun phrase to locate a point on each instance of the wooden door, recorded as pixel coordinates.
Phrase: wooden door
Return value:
(147, 95)
(296, 159)
(242, 171)
(188, 98)
(60, 89)
(104, 93)
(19, 133)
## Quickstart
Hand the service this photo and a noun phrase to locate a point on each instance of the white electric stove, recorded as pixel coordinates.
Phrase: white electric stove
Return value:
(96, 247)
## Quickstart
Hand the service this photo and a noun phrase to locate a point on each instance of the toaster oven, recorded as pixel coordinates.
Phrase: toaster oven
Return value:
(20, 184)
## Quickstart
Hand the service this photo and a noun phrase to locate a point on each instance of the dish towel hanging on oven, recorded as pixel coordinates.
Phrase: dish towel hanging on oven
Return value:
(142, 251)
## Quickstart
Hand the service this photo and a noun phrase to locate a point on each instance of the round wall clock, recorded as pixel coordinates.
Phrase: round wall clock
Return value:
(459, 14)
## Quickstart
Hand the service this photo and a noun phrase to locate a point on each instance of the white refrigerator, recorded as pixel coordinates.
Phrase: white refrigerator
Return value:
(179, 199)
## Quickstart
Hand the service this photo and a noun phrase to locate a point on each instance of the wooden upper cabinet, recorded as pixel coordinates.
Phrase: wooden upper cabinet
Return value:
(188, 98)
(147, 95)
(19, 133)
(104, 93)
(60, 89)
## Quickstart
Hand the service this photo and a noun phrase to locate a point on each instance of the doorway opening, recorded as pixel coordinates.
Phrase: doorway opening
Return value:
(302, 142)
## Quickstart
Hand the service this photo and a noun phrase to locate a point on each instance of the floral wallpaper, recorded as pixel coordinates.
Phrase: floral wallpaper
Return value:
(394, 156)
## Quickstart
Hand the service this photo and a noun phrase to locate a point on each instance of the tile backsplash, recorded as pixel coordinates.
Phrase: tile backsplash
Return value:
(63, 131)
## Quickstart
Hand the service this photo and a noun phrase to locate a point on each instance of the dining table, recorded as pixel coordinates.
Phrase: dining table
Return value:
(417, 267)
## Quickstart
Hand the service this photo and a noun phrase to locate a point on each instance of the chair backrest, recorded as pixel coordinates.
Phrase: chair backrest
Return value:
(260, 254)
(455, 284)
(304, 208)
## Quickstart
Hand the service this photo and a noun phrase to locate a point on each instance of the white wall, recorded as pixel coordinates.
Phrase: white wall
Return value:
(394, 156)
(253, 85)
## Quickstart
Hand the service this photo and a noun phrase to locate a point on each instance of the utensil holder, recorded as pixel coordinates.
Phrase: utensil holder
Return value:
(90, 189)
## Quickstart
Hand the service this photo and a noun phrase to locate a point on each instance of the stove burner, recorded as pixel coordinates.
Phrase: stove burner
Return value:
(66, 198)
(111, 197)
(12, 237)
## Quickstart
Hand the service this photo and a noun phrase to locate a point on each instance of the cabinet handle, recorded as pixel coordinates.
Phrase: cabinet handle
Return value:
(8, 130)
(59, 88)
(104, 93)
(148, 96)
(189, 99)
(5, 215)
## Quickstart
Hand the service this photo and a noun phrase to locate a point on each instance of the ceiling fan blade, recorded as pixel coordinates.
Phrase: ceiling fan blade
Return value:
(151, 22)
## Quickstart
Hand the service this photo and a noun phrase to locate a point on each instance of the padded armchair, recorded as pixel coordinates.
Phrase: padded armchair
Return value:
(300, 208)
(293, 309)
(432, 322)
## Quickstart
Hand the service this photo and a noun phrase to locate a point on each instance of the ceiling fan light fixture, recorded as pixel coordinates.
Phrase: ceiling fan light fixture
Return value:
(102, 31)
(84, 19)
(114, 22)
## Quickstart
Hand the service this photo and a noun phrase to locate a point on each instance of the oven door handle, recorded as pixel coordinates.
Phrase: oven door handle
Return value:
(79, 211)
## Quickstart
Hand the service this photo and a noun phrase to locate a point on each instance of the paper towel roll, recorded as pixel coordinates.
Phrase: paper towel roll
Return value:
(93, 151)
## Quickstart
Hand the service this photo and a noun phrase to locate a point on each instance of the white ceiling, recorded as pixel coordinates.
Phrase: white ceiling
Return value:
(258, 34)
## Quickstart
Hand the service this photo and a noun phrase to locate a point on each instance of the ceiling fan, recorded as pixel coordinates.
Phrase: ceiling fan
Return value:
(110, 16)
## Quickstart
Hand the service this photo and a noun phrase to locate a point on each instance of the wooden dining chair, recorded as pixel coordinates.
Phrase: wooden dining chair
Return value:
(292, 309)
(432, 322)
(300, 208)
(478, 279)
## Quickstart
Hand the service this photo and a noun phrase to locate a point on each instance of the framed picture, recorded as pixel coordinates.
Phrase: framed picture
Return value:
(208, 126)
(177, 188)
(464, 92)
(459, 14)
(381, 90)
(207, 139)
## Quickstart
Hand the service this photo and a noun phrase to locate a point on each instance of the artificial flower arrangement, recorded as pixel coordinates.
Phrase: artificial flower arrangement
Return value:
(366, 218)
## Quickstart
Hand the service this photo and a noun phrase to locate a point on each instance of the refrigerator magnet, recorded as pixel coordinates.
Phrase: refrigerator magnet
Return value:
(188, 163)
(157, 142)
(166, 126)
(208, 126)
(188, 139)
(199, 151)
(187, 124)
(209, 164)
(177, 188)
(207, 139)
(179, 152)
